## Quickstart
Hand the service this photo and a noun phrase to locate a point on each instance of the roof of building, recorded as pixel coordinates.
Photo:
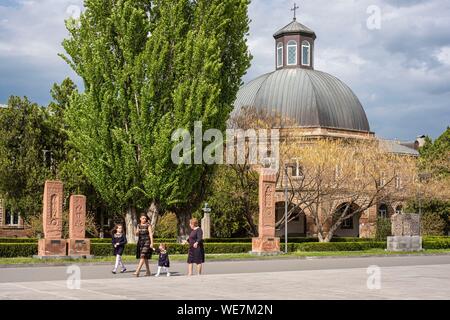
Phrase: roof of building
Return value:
(294, 27)
(395, 146)
(309, 98)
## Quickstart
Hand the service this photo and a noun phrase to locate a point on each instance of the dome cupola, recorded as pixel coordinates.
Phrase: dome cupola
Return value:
(294, 45)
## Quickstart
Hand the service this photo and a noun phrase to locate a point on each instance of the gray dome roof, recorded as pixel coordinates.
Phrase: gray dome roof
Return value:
(294, 27)
(308, 97)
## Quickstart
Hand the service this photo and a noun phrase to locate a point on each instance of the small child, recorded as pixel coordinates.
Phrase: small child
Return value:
(119, 240)
(163, 260)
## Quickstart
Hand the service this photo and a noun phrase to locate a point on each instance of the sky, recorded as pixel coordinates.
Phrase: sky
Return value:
(394, 54)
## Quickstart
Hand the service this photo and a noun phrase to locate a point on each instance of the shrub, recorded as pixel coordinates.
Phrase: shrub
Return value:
(433, 224)
(436, 244)
(11, 250)
(340, 246)
(383, 228)
(18, 240)
(167, 226)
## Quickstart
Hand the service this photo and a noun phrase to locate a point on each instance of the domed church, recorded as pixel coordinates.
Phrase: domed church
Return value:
(314, 104)
(317, 102)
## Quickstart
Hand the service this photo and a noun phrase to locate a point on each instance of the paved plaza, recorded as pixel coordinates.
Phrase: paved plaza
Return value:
(417, 277)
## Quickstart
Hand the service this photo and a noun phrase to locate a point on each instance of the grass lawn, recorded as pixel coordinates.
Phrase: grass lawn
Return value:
(222, 257)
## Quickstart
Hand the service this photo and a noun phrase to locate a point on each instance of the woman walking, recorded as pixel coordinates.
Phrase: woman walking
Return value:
(144, 245)
(196, 252)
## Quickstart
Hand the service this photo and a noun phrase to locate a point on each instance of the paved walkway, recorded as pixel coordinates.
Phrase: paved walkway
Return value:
(399, 278)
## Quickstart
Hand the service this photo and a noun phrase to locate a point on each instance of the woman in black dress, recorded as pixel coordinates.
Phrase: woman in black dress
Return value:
(196, 252)
(144, 246)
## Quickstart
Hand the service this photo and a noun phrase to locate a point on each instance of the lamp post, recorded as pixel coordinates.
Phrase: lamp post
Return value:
(286, 180)
(285, 209)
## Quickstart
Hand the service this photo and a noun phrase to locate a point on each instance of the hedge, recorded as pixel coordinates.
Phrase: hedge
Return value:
(340, 246)
(18, 240)
(11, 250)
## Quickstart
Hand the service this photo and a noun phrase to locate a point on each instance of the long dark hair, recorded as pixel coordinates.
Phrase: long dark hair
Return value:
(114, 231)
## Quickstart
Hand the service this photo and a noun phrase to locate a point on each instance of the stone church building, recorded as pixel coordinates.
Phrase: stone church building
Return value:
(320, 105)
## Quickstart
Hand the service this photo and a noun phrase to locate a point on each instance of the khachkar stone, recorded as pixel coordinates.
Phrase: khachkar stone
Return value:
(405, 233)
(266, 242)
(78, 244)
(52, 244)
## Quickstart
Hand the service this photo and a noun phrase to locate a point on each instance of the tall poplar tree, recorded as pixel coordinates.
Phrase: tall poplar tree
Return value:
(149, 68)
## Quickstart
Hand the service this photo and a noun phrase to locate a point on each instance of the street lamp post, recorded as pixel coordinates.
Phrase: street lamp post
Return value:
(286, 181)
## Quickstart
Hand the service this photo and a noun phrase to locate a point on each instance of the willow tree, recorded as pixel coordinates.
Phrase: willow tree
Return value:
(149, 68)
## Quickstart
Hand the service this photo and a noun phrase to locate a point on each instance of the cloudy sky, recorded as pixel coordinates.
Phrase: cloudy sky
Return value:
(399, 66)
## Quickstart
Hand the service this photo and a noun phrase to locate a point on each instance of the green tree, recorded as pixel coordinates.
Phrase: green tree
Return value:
(25, 160)
(150, 67)
(234, 202)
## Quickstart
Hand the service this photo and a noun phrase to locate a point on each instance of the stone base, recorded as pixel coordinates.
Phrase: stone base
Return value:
(79, 247)
(52, 247)
(63, 257)
(274, 253)
(265, 245)
(404, 243)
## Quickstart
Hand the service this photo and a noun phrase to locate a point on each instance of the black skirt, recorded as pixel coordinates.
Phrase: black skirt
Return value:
(196, 255)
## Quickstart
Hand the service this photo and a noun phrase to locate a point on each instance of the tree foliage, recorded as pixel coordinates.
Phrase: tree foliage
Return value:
(150, 67)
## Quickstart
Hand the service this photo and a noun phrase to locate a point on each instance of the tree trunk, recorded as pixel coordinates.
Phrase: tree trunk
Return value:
(153, 214)
(130, 224)
(183, 225)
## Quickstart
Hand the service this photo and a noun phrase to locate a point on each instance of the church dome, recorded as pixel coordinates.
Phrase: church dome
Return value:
(299, 94)
(310, 98)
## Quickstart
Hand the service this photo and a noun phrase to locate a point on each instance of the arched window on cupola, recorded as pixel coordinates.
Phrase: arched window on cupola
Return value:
(306, 53)
(279, 54)
(292, 53)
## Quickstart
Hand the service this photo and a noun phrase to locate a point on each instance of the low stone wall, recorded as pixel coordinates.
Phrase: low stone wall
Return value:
(15, 232)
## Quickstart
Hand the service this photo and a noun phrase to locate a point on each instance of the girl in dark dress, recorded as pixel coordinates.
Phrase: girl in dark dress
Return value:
(196, 253)
(163, 260)
(144, 246)
(119, 240)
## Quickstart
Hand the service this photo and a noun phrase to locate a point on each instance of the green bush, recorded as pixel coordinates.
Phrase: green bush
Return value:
(383, 230)
(167, 226)
(436, 244)
(433, 224)
(18, 240)
(11, 250)
(340, 246)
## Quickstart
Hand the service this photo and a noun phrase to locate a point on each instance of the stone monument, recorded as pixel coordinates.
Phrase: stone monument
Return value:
(266, 243)
(52, 245)
(405, 233)
(78, 244)
(206, 222)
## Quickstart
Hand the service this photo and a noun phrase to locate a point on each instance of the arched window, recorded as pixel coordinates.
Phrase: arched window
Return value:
(306, 53)
(292, 53)
(383, 211)
(279, 54)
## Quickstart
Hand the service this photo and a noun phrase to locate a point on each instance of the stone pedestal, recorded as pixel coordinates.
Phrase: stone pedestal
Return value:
(52, 247)
(266, 242)
(405, 233)
(79, 247)
(206, 226)
(404, 243)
